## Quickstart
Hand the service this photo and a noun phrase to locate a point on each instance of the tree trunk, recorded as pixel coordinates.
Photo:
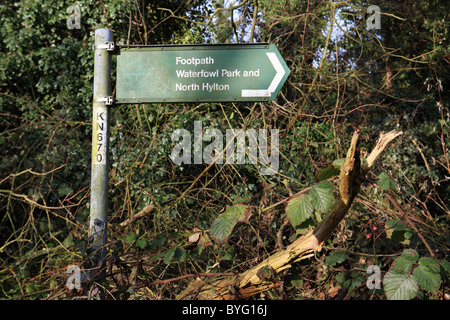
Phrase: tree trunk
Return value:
(258, 279)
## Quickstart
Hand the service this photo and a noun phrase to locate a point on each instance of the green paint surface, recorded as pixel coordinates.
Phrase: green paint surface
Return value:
(203, 73)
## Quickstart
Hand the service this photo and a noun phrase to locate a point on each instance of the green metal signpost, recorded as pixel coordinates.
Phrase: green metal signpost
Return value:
(158, 74)
(199, 73)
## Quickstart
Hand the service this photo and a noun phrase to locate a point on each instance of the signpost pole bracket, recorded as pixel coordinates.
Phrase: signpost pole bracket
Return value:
(108, 45)
(109, 100)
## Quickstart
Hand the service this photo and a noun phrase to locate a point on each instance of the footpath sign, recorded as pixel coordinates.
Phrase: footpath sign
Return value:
(199, 73)
(158, 74)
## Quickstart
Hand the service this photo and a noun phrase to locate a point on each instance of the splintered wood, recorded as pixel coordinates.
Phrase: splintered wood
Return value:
(247, 283)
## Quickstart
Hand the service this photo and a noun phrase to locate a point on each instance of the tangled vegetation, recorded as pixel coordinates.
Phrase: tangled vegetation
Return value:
(171, 226)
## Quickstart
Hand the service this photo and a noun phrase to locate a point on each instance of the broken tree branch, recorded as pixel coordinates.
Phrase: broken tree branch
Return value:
(144, 212)
(251, 282)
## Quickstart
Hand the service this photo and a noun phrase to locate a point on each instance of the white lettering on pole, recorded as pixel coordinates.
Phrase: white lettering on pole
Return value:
(100, 152)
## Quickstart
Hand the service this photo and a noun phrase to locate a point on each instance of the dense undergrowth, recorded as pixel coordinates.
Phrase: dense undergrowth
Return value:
(398, 223)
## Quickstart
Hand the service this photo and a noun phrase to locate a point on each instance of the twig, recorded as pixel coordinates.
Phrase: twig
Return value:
(411, 224)
(26, 199)
(138, 215)
(33, 172)
(205, 274)
(421, 153)
(354, 289)
(255, 14)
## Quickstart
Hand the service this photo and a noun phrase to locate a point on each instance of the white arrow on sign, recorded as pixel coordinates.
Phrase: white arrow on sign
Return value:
(274, 84)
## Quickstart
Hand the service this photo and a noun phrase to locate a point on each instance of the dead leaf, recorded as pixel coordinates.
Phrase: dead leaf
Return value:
(194, 238)
(333, 291)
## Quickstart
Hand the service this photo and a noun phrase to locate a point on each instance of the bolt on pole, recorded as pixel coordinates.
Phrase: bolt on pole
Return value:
(100, 149)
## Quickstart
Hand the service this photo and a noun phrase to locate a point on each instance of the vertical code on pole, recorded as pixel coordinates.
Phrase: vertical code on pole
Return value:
(101, 136)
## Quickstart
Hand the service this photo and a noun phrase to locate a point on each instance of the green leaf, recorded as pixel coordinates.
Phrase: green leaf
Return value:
(179, 255)
(398, 231)
(335, 258)
(341, 277)
(158, 242)
(427, 274)
(299, 209)
(338, 162)
(322, 196)
(141, 243)
(445, 266)
(396, 225)
(318, 216)
(385, 182)
(304, 227)
(399, 285)
(328, 172)
(406, 261)
(168, 256)
(64, 190)
(410, 254)
(131, 238)
(68, 241)
(222, 227)
(297, 283)
(157, 256)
